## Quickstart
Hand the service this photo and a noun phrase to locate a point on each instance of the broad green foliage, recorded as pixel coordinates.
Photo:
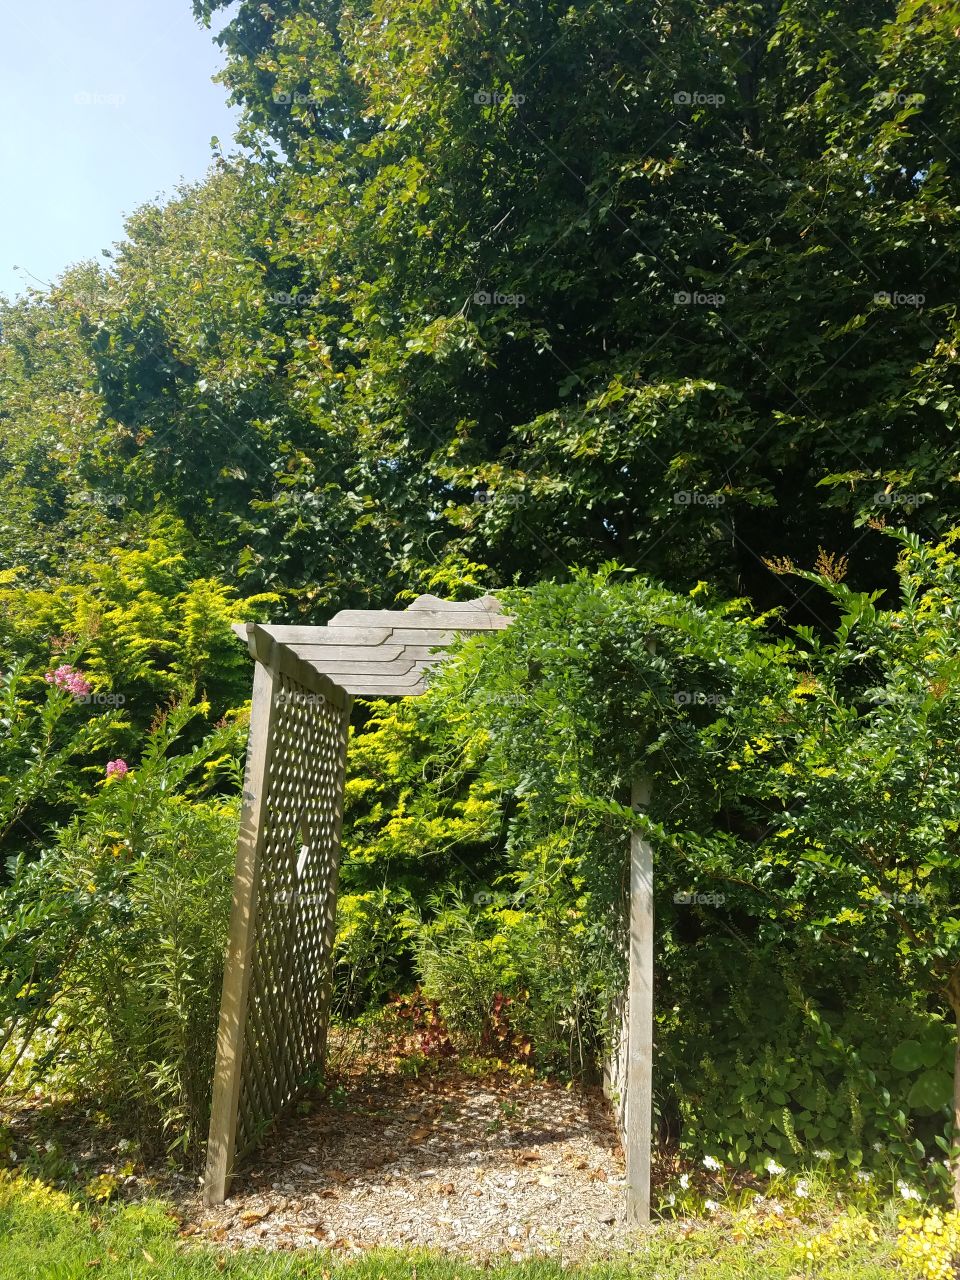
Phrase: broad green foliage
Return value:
(669, 283)
(803, 819)
(52, 507)
(540, 285)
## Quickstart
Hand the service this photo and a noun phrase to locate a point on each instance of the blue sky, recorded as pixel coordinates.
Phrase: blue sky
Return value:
(105, 104)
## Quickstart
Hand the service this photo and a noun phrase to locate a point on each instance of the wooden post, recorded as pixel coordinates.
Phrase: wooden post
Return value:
(243, 920)
(639, 1101)
(330, 924)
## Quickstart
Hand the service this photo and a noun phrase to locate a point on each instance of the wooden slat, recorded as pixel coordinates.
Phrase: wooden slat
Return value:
(324, 655)
(325, 635)
(377, 683)
(639, 1103)
(369, 687)
(398, 668)
(425, 619)
(487, 604)
(243, 918)
(330, 932)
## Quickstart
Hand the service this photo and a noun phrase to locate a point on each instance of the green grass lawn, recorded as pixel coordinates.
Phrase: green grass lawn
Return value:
(44, 1233)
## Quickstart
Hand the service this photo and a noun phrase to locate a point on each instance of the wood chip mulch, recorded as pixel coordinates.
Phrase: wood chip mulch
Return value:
(481, 1168)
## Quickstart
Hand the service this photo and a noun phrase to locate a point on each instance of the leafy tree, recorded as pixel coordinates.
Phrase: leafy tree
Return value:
(664, 283)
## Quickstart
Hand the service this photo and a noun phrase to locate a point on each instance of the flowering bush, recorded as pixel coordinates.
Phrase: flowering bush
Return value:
(68, 678)
(112, 941)
(46, 741)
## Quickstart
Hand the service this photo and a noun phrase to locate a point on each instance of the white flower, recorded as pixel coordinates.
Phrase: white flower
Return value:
(822, 1155)
(908, 1193)
(684, 1181)
(777, 1208)
(773, 1168)
(710, 1163)
(863, 1176)
(802, 1188)
(711, 1206)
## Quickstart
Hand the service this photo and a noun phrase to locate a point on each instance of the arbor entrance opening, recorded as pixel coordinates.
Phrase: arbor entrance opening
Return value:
(275, 1005)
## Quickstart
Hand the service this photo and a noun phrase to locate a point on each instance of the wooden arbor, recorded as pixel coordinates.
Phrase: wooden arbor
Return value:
(277, 979)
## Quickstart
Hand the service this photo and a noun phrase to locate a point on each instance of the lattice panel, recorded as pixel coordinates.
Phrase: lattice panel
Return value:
(277, 974)
(288, 1002)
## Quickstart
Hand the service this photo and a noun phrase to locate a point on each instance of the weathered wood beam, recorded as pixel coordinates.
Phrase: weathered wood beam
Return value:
(243, 917)
(639, 1102)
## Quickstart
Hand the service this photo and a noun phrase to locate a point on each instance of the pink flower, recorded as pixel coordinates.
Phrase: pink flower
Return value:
(67, 677)
(117, 768)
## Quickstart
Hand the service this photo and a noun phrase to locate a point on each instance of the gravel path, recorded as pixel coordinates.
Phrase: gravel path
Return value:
(479, 1168)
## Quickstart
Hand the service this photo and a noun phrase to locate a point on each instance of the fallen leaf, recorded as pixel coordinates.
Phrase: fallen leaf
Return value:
(418, 1135)
(252, 1217)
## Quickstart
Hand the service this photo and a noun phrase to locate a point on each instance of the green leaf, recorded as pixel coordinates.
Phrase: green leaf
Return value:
(908, 1056)
(930, 1092)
